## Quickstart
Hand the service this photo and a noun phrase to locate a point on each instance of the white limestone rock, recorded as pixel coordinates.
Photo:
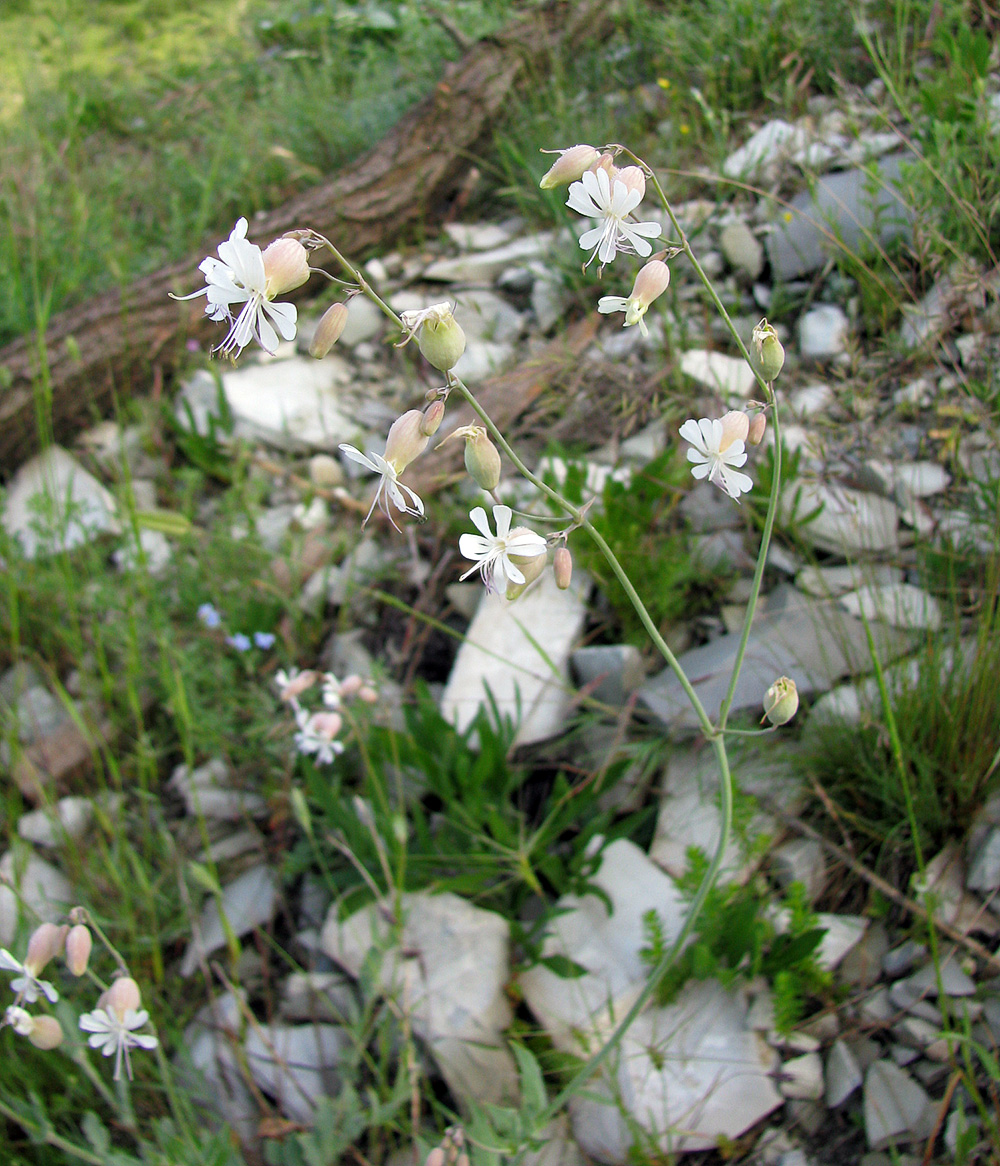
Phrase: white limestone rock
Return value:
(761, 157)
(448, 968)
(518, 652)
(901, 605)
(53, 504)
(729, 376)
(44, 894)
(247, 902)
(207, 790)
(895, 1106)
(296, 1064)
(843, 1074)
(483, 267)
(851, 522)
(68, 819)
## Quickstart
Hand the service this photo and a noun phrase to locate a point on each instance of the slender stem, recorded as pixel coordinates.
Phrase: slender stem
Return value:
(758, 575)
(50, 1137)
(360, 280)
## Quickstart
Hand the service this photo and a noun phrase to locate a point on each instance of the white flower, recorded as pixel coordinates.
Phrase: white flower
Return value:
(389, 488)
(651, 282)
(331, 691)
(112, 1032)
(292, 684)
(493, 552)
(27, 986)
(717, 452)
(20, 1020)
(596, 197)
(317, 734)
(238, 276)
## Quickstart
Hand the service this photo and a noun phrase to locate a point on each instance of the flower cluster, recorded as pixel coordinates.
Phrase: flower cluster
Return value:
(318, 730)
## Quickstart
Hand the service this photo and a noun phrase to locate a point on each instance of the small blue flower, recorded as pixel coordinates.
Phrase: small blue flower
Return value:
(240, 642)
(209, 616)
(264, 640)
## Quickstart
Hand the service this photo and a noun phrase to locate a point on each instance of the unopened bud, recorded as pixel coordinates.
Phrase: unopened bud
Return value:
(482, 459)
(123, 996)
(433, 416)
(328, 330)
(78, 945)
(757, 427)
(46, 1032)
(570, 166)
(286, 266)
(562, 567)
(633, 178)
(735, 427)
(781, 702)
(530, 566)
(45, 944)
(406, 440)
(436, 1156)
(442, 342)
(770, 354)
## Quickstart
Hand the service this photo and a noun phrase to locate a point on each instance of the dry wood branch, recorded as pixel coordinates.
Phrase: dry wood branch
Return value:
(113, 343)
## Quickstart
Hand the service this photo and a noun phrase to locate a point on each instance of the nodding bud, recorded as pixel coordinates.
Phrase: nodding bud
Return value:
(286, 266)
(632, 176)
(433, 416)
(757, 427)
(770, 354)
(562, 567)
(781, 702)
(530, 566)
(652, 281)
(123, 996)
(482, 458)
(442, 342)
(406, 440)
(46, 1032)
(435, 1158)
(570, 166)
(328, 330)
(735, 427)
(45, 944)
(78, 945)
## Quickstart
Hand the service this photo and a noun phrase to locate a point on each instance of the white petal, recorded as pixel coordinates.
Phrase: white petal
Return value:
(474, 546)
(701, 471)
(581, 202)
(480, 522)
(608, 304)
(506, 568)
(591, 238)
(528, 544)
(689, 431)
(355, 455)
(267, 338)
(502, 516)
(711, 434)
(284, 315)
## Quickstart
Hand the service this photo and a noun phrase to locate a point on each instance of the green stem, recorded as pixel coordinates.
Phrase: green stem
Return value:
(50, 1137)
(360, 280)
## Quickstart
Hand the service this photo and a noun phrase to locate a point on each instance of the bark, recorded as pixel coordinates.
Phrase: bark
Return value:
(129, 339)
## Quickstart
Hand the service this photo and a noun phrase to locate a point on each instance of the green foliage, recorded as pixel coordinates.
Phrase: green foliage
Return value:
(736, 939)
(205, 450)
(642, 525)
(439, 813)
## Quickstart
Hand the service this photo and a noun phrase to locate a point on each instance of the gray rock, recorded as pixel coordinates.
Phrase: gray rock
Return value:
(31, 891)
(925, 321)
(823, 332)
(707, 508)
(802, 1077)
(483, 267)
(984, 865)
(247, 902)
(325, 471)
(801, 860)
(895, 1106)
(447, 966)
(219, 1088)
(486, 316)
(812, 399)
(762, 156)
(824, 581)
(862, 966)
(296, 1064)
(742, 248)
(838, 213)
(843, 1074)
(52, 504)
(842, 933)
(914, 479)
(728, 376)
(207, 790)
(609, 672)
(953, 980)
(900, 605)
(517, 653)
(549, 297)
(851, 522)
(68, 819)
(477, 236)
(365, 321)
(899, 961)
(811, 641)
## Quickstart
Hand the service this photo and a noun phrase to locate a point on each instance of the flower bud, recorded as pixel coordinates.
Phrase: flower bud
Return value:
(45, 943)
(46, 1032)
(562, 567)
(367, 694)
(286, 266)
(123, 996)
(632, 176)
(781, 701)
(328, 330)
(482, 459)
(436, 1156)
(652, 281)
(757, 427)
(406, 440)
(770, 354)
(78, 945)
(530, 566)
(442, 342)
(735, 427)
(433, 416)
(570, 166)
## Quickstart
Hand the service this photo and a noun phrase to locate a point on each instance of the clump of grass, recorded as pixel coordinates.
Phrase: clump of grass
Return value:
(946, 707)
